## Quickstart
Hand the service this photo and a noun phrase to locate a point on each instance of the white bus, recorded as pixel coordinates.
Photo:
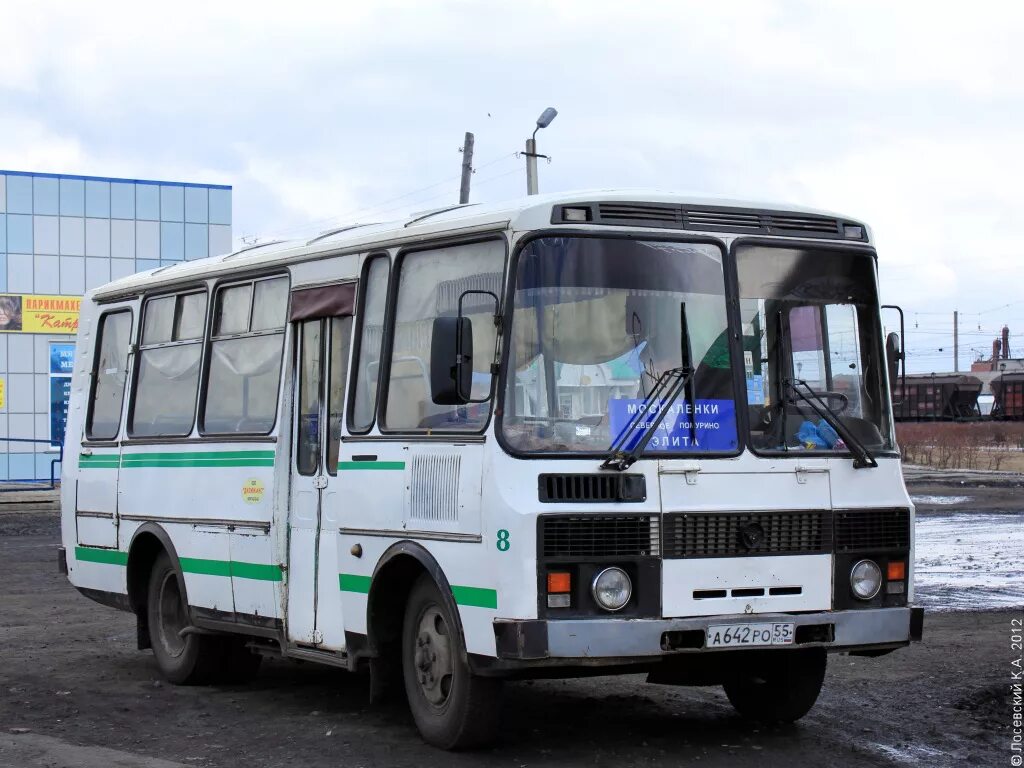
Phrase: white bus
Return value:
(587, 433)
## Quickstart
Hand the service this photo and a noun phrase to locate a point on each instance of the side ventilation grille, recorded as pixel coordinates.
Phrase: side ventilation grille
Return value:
(434, 488)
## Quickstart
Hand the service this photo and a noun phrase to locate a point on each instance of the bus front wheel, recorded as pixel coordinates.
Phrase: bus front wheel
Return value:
(781, 686)
(184, 658)
(453, 708)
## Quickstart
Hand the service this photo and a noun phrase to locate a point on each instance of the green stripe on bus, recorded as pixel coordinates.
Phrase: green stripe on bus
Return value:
(106, 462)
(199, 459)
(342, 465)
(196, 462)
(258, 571)
(95, 555)
(180, 459)
(478, 597)
(350, 582)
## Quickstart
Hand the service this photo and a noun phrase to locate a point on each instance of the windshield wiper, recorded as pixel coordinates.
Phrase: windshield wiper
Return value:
(862, 458)
(666, 389)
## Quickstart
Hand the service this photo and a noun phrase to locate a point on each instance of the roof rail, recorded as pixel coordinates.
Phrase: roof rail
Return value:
(252, 247)
(338, 231)
(435, 212)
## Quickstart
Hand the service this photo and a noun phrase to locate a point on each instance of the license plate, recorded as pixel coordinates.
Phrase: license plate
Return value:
(749, 635)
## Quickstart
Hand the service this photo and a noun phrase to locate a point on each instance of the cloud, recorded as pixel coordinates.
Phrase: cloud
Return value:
(312, 111)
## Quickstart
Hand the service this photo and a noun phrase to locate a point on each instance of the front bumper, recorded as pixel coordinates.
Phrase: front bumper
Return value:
(582, 640)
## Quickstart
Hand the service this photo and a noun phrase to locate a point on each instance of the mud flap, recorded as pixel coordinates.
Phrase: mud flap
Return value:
(916, 624)
(142, 632)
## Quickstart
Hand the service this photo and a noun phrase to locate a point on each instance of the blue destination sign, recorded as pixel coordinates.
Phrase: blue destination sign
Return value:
(714, 424)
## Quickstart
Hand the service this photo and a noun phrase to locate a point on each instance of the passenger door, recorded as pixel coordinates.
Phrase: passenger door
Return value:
(99, 462)
(314, 599)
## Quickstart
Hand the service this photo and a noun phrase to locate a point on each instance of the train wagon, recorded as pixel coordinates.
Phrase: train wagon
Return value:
(924, 397)
(1008, 390)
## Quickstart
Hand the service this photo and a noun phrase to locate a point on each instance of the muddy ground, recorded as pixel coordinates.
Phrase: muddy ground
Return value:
(75, 692)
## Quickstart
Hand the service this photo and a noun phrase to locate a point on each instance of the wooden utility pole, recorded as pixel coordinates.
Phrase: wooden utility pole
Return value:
(467, 168)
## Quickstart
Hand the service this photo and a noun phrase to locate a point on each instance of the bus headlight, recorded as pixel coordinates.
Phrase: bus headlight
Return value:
(866, 579)
(612, 588)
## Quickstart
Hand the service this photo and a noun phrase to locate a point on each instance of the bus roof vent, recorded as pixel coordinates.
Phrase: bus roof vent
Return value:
(707, 218)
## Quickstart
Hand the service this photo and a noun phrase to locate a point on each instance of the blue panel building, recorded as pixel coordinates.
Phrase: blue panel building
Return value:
(61, 235)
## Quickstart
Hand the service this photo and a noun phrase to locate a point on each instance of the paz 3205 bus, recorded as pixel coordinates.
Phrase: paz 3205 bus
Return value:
(594, 432)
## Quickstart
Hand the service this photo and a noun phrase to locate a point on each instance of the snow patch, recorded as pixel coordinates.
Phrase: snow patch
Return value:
(937, 501)
(914, 754)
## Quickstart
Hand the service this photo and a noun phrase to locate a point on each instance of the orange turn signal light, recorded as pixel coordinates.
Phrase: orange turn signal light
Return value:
(897, 571)
(559, 583)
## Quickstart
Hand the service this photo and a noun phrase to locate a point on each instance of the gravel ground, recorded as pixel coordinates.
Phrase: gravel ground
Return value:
(75, 692)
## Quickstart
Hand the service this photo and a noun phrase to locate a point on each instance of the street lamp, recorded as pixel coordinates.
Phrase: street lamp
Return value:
(531, 149)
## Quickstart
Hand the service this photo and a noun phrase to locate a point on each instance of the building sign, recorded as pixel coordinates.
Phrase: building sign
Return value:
(2, 383)
(30, 313)
(62, 363)
(714, 424)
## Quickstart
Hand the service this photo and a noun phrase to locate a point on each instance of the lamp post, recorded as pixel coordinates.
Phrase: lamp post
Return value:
(531, 149)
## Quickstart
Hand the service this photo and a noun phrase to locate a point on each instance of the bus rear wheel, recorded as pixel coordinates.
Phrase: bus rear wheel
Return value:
(183, 658)
(453, 708)
(780, 687)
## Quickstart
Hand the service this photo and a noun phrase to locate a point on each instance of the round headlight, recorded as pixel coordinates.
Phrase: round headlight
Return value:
(612, 588)
(866, 579)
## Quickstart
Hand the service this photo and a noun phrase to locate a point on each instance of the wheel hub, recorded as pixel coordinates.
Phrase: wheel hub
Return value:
(173, 618)
(433, 657)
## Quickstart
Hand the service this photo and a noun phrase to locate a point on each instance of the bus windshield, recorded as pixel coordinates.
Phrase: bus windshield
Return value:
(596, 323)
(811, 337)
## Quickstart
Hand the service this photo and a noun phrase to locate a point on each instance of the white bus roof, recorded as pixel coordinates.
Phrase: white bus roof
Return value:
(523, 214)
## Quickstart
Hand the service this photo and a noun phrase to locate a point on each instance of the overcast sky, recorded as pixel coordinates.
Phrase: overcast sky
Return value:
(907, 115)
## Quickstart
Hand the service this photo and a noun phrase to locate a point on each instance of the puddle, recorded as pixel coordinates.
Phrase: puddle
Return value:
(940, 501)
(969, 561)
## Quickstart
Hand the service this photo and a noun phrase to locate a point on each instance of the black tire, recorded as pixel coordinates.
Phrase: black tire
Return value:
(779, 686)
(452, 708)
(192, 659)
(240, 665)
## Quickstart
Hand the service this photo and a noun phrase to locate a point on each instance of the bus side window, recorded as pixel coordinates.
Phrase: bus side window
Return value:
(109, 376)
(244, 369)
(164, 399)
(373, 299)
(430, 285)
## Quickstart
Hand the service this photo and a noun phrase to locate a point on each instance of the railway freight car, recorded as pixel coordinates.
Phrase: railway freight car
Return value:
(924, 397)
(1008, 390)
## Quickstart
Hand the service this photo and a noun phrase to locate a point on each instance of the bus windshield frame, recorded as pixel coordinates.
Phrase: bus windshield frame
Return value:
(538, 429)
(824, 299)
(600, 344)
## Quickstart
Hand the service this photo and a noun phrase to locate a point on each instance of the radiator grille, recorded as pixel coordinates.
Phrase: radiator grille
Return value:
(714, 219)
(434, 488)
(596, 536)
(736, 534)
(872, 529)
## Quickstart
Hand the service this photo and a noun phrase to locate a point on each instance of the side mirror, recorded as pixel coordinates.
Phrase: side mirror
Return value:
(893, 355)
(451, 360)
